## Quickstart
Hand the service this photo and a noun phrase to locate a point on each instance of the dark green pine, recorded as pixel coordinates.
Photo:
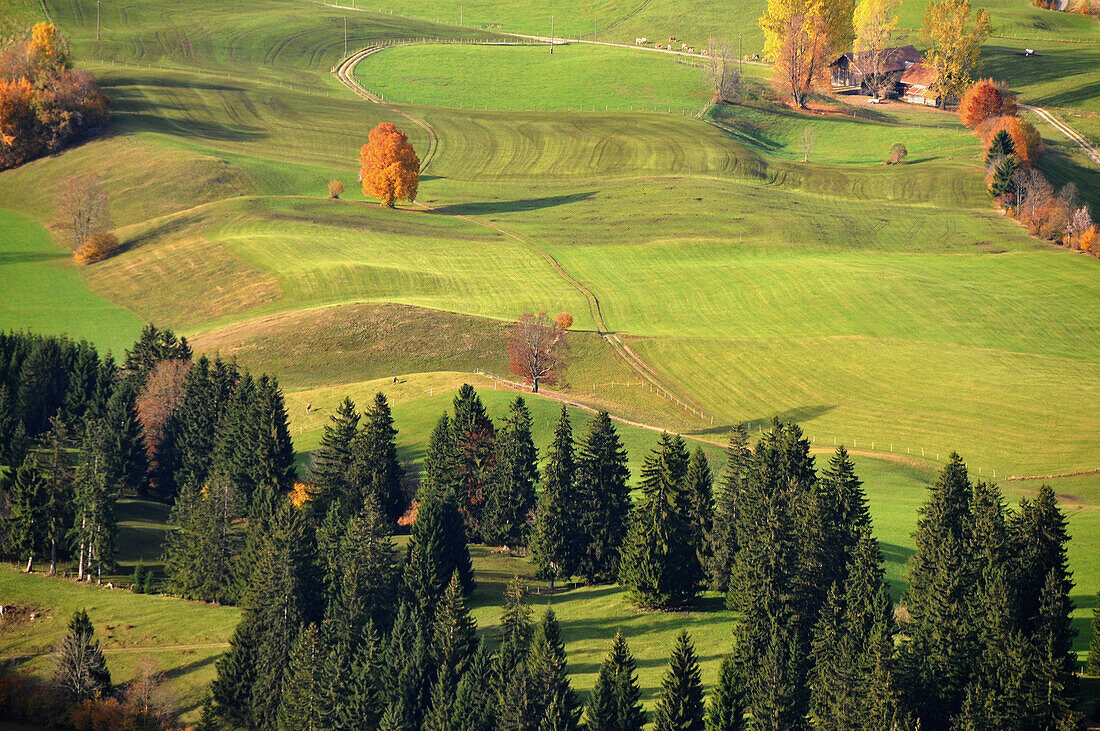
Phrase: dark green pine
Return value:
(440, 461)
(455, 632)
(376, 471)
(550, 695)
(1001, 182)
(275, 468)
(516, 629)
(364, 573)
(230, 698)
(81, 672)
(726, 709)
(1094, 647)
(1039, 537)
(474, 435)
(56, 471)
(845, 513)
(207, 394)
(511, 485)
(153, 346)
(363, 688)
(1054, 671)
(615, 701)
(603, 500)
(24, 526)
(330, 463)
(660, 565)
(1000, 146)
(126, 437)
(300, 706)
(475, 700)
(680, 706)
(437, 548)
(42, 382)
(700, 494)
(555, 542)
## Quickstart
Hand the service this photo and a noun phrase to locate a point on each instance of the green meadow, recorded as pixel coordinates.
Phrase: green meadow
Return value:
(761, 262)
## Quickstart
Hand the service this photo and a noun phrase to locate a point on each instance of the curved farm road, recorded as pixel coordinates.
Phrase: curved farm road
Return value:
(1074, 136)
(344, 73)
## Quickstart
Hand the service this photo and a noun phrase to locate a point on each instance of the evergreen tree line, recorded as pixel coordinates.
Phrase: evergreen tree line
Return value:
(982, 639)
(323, 645)
(71, 444)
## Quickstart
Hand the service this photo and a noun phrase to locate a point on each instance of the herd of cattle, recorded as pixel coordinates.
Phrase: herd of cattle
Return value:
(668, 47)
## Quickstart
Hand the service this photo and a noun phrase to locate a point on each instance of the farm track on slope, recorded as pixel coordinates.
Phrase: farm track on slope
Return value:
(1073, 135)
(344, 73)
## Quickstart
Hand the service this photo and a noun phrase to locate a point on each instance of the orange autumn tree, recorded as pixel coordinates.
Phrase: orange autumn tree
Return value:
(983, 100)
(388, 166)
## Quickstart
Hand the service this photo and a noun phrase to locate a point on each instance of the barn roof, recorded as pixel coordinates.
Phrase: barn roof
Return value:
(919, 74)
(898, 58)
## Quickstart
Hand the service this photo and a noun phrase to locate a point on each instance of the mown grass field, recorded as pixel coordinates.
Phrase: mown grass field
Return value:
(887, 308)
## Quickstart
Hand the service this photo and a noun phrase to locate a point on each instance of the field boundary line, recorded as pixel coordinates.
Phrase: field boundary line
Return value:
(1074, 136)
(120, 650)
(344, 72)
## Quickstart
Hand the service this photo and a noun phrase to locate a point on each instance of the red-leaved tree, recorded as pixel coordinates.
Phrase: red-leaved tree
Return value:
(537, 345)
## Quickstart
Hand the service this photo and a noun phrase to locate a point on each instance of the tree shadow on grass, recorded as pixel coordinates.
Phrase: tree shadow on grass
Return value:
(190, 667)
(28, 257)
(797, 415)
(515, 206)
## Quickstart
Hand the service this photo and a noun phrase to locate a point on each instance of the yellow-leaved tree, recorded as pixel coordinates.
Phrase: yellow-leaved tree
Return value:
(874, 22)
(832, 18)
(954, 42)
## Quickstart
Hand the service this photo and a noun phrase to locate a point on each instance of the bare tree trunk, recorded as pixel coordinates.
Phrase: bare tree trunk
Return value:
(53, 557)
(83, 541)
(535, 385)
(30, 565)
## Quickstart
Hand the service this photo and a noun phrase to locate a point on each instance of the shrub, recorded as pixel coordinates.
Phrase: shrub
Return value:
(983, 100)
(98, 247)
(897, 154)
(335, 188)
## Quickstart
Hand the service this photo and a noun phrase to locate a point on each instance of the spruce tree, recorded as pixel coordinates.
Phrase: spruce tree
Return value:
(200, 550)
(82, 383)
(436, 549)
(555, 543)
(1038, 540)
(230, 700)
(56, 473)
(81, 672)
(153, 346)
(364, 573)
(363, 692)
(700, 492)
(1054, 672)
(475, 701)
(515, 629)
(331, 463)
(726, 709)
(511, 484)
(940, 657)
(454, 638)
(376, 472)
(1001, 181)
(603, 500)
(845, 514)
(410, 669)
(660, 564)
(275, 468)
(775, 582)
(25, 524)
(680, 706)
(43, 379)
(1094, 646)
(550, 696)
(300, 706)
(1000, 146)
(207, 393)
(615, 701)
(473, 437)
(97, 487)
(440, 461)
(126, 437)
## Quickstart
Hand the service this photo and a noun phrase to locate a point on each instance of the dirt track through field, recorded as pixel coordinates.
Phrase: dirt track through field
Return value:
(1074, 136)
(345, 73)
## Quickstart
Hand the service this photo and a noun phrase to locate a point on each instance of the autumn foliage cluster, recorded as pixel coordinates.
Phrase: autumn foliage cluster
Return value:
(388, 166)
(44, 103)
(1012, 147)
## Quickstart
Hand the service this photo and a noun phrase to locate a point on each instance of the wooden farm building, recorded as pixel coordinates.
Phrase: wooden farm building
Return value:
(853, 70)
(913, 85)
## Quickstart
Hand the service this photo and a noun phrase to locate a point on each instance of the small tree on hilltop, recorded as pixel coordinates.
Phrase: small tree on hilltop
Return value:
(536, 347)
(983, 100)
(335, 189)
(388, 166)
(82, 209)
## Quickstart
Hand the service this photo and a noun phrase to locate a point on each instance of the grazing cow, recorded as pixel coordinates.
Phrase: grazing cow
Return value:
(672, 38)
(683, 46)
(640, 41)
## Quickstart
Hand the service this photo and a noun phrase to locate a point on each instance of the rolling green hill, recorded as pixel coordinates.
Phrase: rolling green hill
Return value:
(761, 262)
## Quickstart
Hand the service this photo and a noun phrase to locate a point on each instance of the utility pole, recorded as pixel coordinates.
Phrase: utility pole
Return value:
(460, 15)
(551, 35)
(739, 54)
(97, 20)
(595, 35)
